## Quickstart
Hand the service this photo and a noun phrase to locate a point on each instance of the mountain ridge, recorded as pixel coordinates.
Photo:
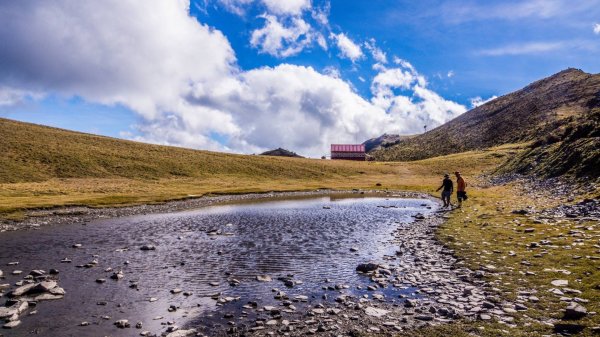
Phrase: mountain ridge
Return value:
(544, 113)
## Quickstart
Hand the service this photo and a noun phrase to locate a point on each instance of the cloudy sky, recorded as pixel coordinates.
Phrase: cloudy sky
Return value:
(250, 75)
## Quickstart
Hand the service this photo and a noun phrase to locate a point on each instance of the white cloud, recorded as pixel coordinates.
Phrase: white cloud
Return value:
(236, 6)
(11, 96)
(287, 7)
(321, 14)
(458, 12)
(450, 74)
(378, 54)
(332, 72)
(182, 79)
(524, 48)
(348, 48)
(597, 28)
(282, 38)
(478, 101)
(321, 41)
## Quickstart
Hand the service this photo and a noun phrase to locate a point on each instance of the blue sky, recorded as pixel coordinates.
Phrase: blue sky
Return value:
(203, 74)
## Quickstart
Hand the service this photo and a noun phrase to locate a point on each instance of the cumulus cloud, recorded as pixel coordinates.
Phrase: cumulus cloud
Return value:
(348, 49)
(183, 80)
(597, 28)
(478, 101)
(282, 38)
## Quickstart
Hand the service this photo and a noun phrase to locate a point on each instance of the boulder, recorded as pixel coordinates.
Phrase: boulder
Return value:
(367, 267)
(122, 324)
(375, 312)
(182, 333)
(575, 311)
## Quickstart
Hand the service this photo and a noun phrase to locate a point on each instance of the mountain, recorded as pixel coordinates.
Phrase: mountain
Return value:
(383, 141)
(559, 116)
(279, 152)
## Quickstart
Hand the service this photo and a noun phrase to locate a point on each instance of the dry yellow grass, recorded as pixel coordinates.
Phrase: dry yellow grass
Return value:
(419, 175)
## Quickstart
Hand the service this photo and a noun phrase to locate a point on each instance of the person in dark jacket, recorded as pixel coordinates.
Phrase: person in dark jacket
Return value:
(448, 188)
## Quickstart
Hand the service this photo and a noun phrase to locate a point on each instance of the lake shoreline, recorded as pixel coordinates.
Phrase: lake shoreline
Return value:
(37, 218)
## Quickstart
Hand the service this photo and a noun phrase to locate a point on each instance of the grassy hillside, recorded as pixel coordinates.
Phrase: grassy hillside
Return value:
(45, 167)
(542, 113)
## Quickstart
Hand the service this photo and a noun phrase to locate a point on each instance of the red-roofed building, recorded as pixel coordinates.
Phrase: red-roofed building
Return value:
(348, 151)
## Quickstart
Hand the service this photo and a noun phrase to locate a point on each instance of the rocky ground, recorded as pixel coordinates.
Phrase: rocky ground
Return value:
(445, 292)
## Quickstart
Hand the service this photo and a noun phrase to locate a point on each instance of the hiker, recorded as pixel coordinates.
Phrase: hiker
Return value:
(448, 188)
(461, 186)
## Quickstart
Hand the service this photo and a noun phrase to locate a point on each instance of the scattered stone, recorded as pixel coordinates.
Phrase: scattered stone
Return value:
(560, 283)
(367, 267)
(375, 312)
(122, 324)
(148, 247)
(264, 278)
(575, 311)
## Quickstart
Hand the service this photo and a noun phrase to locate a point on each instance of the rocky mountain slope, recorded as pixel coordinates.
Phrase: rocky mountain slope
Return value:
(383, 141)
(558, 115)
(279, 152)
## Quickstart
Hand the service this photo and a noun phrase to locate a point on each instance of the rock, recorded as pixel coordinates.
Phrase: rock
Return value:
(84, 323)
(17, 272)
(42, 287)
(367, 267)
(484, 317)
(148, 247)
(182, 333)
(264, 278)
(122, 324)
(575, 311)
(11, 324)
(139, 325)
(176, 291)
(117, 275)
(20, 291)
(560, 283)
(77, 245)
(529, 230)
(410, 303)
(568, 328)
(375, 312)
(520, 307)
(100, 280)
(424, 317)
(6, 312)
(352, 249)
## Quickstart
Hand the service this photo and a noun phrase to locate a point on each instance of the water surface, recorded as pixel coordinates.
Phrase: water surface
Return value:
(309, 238)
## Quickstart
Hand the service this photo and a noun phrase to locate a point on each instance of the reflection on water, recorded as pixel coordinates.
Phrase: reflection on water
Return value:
(200, 251)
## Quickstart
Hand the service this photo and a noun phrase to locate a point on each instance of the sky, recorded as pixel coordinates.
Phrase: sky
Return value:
(246, 76)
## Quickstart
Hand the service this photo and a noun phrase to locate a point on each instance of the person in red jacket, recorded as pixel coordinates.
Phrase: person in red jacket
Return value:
(461, 189)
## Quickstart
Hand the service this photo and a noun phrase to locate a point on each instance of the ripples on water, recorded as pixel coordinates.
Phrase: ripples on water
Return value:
(276, 237)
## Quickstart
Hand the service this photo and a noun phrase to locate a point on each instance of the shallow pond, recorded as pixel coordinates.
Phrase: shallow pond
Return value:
(314, 239)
